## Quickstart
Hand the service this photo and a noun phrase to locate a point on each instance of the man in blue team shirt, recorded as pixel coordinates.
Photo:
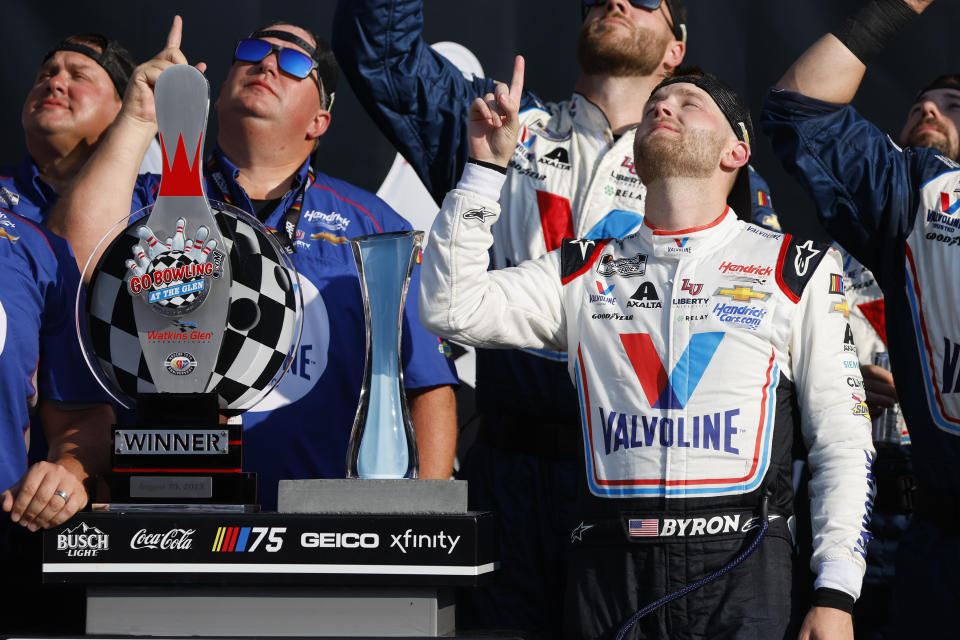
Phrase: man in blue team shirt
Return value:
(42, 378)
(74, 98)
(269, 122)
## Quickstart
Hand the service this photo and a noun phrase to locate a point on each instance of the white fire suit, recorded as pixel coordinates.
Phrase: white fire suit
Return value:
(690, 352)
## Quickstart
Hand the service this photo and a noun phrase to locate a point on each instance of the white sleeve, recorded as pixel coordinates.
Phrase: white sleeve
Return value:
(460, 299)
(836, 430)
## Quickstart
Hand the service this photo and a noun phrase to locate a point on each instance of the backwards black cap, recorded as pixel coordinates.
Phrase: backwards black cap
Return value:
(945, 81)
(115, 60)
(321, 54)
(737, 115)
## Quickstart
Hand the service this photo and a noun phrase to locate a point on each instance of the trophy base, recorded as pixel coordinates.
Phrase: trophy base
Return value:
(139, 507)
(212, 490)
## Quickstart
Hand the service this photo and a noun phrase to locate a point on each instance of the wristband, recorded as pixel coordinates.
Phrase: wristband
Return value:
(488, 165)
(869, 31)
(833, 598)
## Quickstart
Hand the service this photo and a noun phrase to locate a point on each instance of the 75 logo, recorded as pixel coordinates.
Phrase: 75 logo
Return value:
(248, 538)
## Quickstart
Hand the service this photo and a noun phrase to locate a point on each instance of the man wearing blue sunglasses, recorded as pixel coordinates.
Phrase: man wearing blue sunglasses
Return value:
(272, 109)
(572, 176)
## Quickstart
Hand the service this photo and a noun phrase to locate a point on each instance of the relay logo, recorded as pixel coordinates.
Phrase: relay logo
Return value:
(671, 391)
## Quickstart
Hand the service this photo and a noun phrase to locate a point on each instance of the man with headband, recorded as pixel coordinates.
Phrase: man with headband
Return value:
(75, 97)
(894, 209)
(690, 394)
(272, 109)
(572, 176)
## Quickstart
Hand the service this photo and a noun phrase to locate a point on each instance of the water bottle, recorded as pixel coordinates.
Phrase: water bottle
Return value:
(886, 424)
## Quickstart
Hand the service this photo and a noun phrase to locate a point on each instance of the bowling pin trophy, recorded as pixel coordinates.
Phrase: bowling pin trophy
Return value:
(192, 315)
(382, 443)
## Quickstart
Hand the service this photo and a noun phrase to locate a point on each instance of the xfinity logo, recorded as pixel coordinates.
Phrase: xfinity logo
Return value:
(175, 539)
(348, 540)
(410, 540)
(83, 540)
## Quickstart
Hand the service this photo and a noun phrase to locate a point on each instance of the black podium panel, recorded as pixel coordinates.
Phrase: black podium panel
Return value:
(270, 549)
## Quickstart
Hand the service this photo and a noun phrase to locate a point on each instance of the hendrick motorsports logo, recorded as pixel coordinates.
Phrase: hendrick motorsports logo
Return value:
(174, 539)
(83, 541)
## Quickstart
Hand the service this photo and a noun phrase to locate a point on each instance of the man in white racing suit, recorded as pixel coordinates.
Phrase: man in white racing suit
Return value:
(697, 346)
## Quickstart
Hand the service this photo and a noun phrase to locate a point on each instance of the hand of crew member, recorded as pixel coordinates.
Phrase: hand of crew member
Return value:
(878, 385)
(47, 495)
(493, 123)
(138, 102)
(826, 623)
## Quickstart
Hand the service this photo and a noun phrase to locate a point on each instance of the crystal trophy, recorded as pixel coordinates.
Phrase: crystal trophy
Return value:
(382, 443)
(192, 315)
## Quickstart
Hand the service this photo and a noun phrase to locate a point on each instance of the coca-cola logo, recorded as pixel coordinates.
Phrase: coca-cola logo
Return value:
(175, 539)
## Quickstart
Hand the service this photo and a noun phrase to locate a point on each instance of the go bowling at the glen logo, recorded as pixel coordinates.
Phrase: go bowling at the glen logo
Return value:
(172, 274)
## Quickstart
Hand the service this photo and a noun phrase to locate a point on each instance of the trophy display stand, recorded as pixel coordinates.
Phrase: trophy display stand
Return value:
(177, 457)
(193, 313)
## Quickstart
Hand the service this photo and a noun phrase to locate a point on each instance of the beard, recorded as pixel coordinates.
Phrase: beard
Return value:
(638, 54)
(943, 142)
(693, 154)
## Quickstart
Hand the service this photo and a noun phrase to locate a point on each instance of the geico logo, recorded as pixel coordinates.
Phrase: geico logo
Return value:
(81, 541)
(311, 540)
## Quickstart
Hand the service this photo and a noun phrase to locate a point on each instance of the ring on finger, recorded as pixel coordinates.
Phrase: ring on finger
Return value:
(63, 494)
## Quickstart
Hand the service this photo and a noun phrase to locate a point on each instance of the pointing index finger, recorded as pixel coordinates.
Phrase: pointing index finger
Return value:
(176, 32)
(516, 84)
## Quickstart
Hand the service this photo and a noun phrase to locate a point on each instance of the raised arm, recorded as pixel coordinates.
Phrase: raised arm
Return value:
(418, 98)
(459, 297)
(102, 191)
(832, 68)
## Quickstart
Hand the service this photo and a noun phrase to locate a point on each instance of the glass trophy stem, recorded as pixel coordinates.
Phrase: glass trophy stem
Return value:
(382, 442)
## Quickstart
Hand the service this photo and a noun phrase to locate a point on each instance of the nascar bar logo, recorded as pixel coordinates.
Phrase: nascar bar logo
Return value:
(83, 541)
(684, 527)
(248, 539)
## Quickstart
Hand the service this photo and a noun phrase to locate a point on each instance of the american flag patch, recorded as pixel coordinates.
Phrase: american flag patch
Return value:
(836, 283)
(644, 527)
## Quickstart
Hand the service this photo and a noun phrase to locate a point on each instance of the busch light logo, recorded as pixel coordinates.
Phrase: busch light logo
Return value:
(174, 539)
(83, 541)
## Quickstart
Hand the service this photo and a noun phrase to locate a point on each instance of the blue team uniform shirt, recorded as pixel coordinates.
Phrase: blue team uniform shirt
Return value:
(24, 193)
(40, 355)
(301, 429)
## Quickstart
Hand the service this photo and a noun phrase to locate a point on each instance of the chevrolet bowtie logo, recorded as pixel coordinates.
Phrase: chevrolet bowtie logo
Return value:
(742, 294)
(842, 308)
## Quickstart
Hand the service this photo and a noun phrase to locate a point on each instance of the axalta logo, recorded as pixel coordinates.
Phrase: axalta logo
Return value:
(83, 541)
(673, 391)
(333, 220)
(754, 269)
(174, 539)
(411, 540)
(338, 540)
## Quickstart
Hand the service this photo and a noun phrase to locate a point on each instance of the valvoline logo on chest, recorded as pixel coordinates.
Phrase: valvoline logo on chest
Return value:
(673, 390)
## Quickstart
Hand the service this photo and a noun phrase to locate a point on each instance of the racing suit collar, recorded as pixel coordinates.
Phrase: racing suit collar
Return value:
(588, 115)
(683, 243)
